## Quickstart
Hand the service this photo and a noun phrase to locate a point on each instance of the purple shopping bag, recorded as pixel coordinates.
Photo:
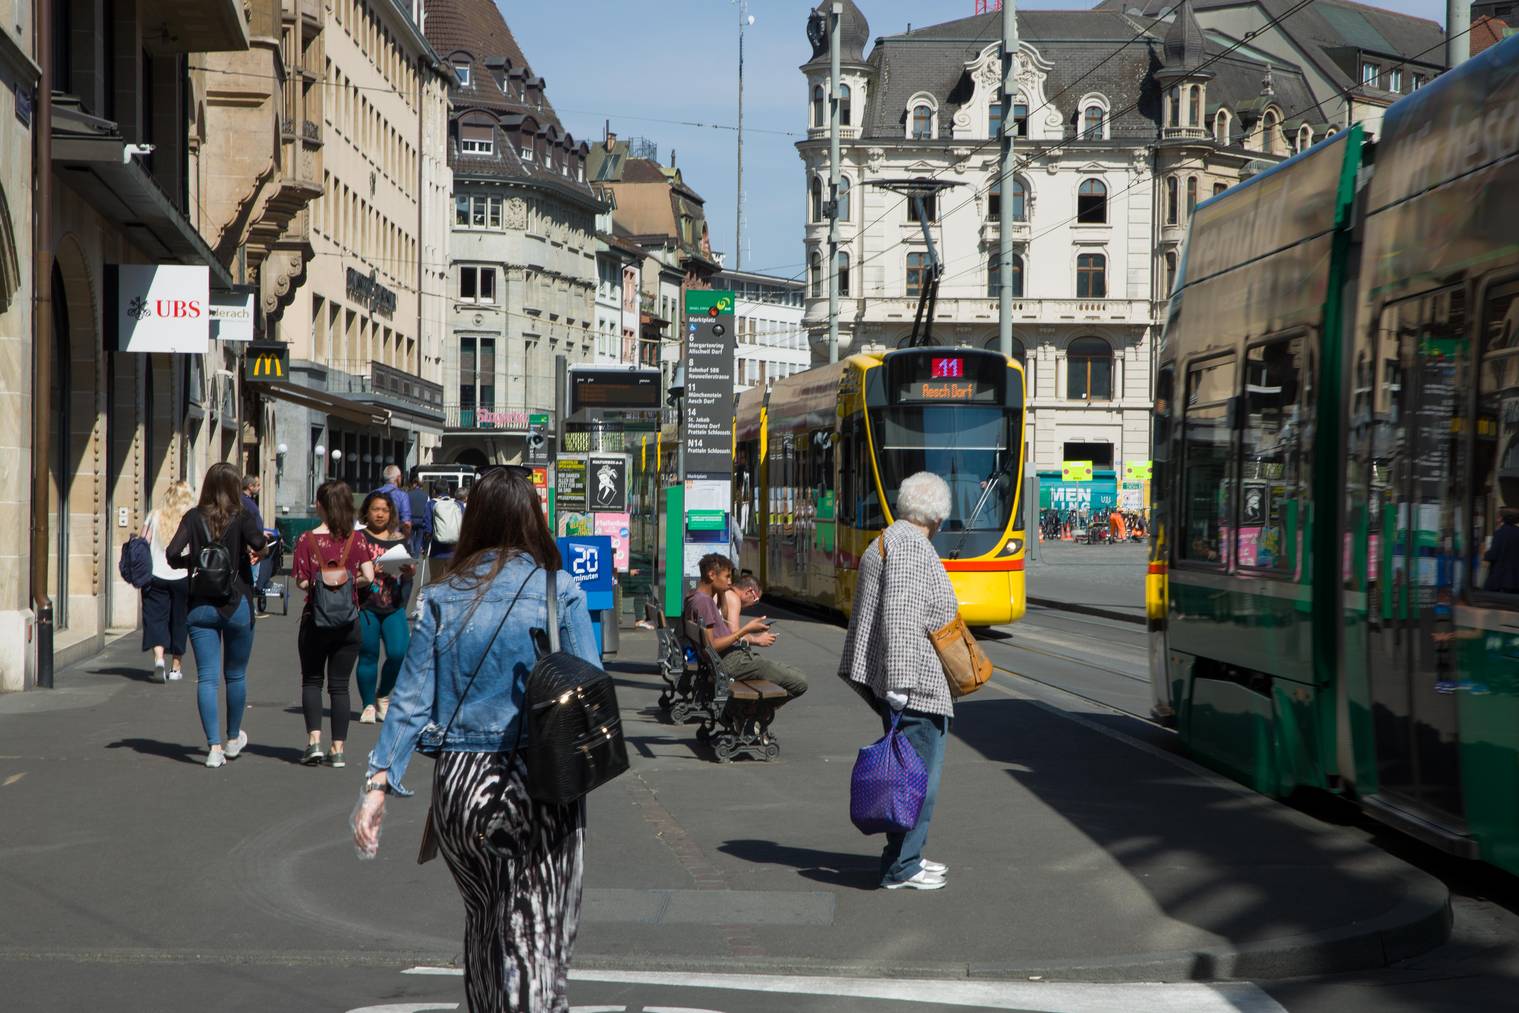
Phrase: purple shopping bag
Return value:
(887, 787)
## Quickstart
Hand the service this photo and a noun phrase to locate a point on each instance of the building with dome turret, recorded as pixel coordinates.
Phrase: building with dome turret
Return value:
(1123, 124)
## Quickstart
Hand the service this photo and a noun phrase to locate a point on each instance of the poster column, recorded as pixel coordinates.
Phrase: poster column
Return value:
(707, 426)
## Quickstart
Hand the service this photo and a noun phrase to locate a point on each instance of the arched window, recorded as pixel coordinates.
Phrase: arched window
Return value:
(815, 261)
(1020, 200)
(1191, 196)
(1304, 137)
(844, 105)
(1170, 272)
(1268, 132)
(1095, 116)
(1092, 202)
(917, 273)
(843, 273)
(843, 198)
(1195, 108)
(817, 198)
(1172, 215)
(1221, 127)
(1174, 99)
(994, 277)
(1089, 370)
(1091, 276)
(819, 107)
(922, 122)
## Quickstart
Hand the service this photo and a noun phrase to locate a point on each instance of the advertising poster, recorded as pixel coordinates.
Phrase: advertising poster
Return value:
(541, 487)
(616, 527)
(569, 487)
(608, 484)
(575, 525)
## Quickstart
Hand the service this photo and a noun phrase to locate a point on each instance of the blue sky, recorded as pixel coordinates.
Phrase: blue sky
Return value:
(644, 64)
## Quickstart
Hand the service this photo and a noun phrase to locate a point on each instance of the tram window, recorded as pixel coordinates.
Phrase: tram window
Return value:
(746, 486)
(1207, 482)
(1273, 457)
(1495, 468)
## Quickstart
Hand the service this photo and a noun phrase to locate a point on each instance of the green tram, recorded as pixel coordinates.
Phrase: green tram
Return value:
(1336, 443)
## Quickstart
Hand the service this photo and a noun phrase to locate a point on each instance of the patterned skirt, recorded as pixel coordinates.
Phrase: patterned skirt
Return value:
(521, 913)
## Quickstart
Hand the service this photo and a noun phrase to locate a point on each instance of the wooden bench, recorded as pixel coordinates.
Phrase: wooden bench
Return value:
(736, 713)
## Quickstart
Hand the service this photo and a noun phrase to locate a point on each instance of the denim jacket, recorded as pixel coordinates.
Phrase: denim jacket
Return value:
(444, 651)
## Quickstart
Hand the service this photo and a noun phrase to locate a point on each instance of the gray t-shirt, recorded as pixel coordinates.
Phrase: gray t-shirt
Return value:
(706, 612)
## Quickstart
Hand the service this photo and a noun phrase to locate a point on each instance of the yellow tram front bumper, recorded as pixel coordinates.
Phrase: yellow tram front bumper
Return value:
(990, 592)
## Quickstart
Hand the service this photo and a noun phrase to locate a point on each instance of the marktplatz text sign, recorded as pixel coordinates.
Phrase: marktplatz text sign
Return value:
(707, 411)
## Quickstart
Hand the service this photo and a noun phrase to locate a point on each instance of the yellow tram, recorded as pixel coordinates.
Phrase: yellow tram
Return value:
(819, 457)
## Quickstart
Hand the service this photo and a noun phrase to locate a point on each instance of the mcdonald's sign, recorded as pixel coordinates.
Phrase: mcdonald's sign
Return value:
(267, 360)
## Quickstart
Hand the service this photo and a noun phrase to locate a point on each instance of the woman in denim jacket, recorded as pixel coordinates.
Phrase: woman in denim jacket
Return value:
(521, 912)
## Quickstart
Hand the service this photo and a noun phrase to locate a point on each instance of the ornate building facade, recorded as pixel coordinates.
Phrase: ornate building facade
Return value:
(1122, 125)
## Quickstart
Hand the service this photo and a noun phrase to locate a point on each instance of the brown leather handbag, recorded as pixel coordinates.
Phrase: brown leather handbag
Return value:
(966, 666)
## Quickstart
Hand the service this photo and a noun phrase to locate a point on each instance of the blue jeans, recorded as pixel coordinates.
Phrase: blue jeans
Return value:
(221, 647)
(903, 855)
(396, 634)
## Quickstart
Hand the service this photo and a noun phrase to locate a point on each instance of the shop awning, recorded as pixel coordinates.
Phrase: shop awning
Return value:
(91, 157)
(321, 401)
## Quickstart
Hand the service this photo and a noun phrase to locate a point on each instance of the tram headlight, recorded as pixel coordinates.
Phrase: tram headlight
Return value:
(1012, 547)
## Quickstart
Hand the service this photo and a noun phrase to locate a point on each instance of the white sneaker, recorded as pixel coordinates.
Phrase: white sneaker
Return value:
(216, 758)
(235, 746)
(923, 880)
(933, 868)
(176, 674)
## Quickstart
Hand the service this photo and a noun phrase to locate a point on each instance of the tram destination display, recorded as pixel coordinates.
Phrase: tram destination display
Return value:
(707, 410)
(936, 378)
(615, 389)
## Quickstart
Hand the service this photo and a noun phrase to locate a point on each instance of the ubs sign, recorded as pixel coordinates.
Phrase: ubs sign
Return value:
(158, 308)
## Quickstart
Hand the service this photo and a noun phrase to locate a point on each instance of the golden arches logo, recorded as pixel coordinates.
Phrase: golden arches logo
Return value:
(269, 364)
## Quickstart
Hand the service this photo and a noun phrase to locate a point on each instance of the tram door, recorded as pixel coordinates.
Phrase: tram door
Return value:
(1415, 497)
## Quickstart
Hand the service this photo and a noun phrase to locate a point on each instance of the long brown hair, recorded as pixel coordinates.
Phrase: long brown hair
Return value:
(335, 500)
(505, 518)
(221, 497)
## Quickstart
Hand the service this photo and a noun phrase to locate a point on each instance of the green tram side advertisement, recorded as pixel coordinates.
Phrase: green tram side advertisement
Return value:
(1334, 578)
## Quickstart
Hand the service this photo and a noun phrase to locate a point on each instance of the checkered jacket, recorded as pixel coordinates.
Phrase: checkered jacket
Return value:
(896, 603)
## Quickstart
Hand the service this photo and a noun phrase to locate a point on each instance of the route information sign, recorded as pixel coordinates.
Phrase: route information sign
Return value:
(707, 425)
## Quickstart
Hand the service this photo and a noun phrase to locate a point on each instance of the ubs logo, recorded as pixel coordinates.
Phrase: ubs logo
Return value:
(139, 308)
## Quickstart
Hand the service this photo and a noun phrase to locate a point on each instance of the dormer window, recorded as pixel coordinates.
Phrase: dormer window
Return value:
(1221, 127)
(527, 149)
(477, 138)
(1369, 73)
(461, 71)
(1094, 122)
(922, 122)
(1304, 137)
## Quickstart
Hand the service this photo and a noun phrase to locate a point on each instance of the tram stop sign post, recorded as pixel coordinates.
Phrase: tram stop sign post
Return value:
(706, 429)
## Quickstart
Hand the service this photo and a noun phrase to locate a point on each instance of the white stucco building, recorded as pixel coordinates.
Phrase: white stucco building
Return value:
(772, 337)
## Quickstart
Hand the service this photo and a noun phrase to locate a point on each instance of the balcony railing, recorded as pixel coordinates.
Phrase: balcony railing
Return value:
(959, 309)
(385, 383)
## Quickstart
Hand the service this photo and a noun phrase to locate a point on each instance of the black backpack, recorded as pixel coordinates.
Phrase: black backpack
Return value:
(332, 604)
(212, 574)
(136, 566)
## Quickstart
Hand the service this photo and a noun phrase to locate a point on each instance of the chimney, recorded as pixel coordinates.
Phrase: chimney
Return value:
(611, 140)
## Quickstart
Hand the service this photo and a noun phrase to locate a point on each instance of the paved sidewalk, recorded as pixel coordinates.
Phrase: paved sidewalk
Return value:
(1076, 853)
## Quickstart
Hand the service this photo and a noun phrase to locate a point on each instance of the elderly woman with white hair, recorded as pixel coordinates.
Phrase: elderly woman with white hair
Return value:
(902, 594)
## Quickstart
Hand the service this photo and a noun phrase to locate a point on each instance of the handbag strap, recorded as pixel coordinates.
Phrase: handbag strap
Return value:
(485, 654)
(551, 599)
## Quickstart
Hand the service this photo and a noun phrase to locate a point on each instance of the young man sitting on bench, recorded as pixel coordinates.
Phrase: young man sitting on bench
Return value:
(736, 648)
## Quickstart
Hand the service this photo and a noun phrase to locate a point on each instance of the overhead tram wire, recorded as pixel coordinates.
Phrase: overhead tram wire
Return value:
(1288, 115)
(1024, 164)
(988, 142)
(392, 90)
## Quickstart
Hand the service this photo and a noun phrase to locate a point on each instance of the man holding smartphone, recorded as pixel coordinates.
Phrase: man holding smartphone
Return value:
(736, 647)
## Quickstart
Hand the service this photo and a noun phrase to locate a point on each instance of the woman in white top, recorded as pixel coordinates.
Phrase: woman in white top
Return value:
(165, 601)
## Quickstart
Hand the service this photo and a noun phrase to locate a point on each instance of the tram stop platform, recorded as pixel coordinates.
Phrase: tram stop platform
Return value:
(1076, 851)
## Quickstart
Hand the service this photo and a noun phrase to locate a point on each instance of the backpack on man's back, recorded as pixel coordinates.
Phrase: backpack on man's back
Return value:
(447, 519)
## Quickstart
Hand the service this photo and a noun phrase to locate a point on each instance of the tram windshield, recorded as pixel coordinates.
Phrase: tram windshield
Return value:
(971, 446)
